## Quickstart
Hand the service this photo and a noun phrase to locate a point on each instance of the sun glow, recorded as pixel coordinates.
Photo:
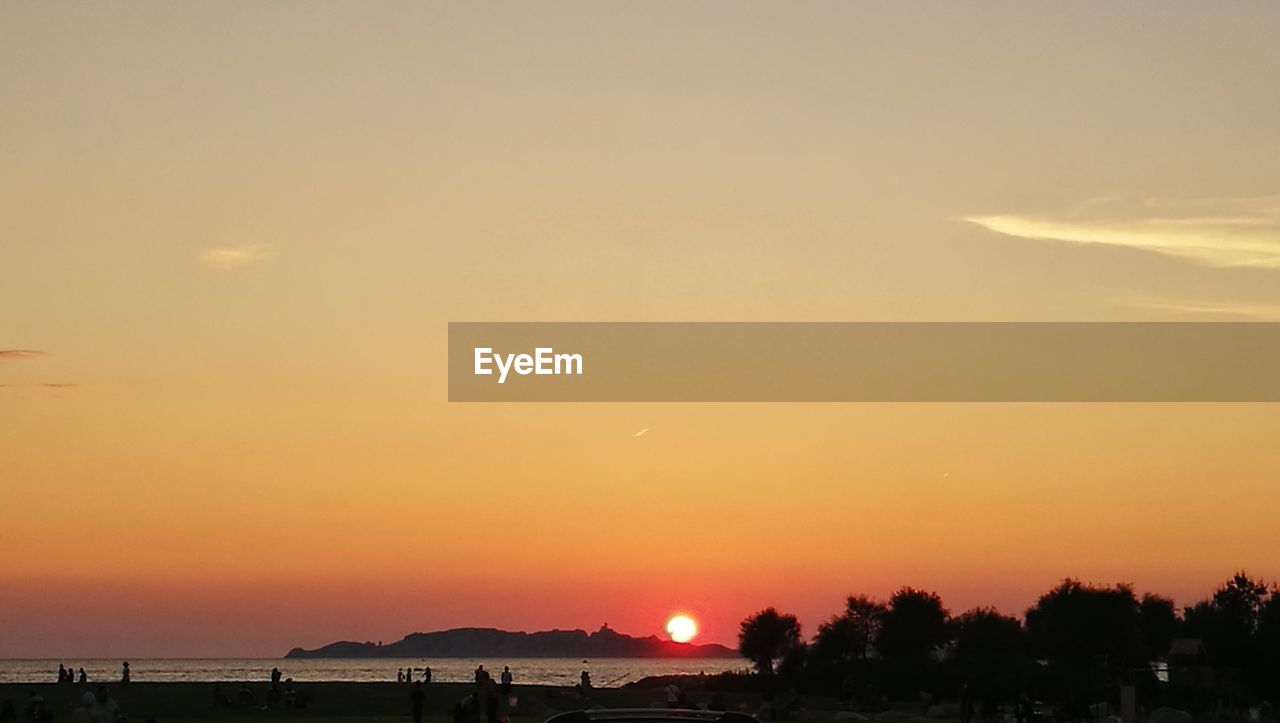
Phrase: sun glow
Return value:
(682, 628)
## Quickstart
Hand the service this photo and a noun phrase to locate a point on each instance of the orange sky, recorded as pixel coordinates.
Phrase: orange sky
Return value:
(235, 234)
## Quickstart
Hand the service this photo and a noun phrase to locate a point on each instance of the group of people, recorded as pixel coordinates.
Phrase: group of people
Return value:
(481, 706)
(405, 675)
(67, 675)
(95, 707)
(281, 694)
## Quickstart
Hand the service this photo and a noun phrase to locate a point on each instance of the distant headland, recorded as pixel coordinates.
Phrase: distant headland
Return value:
(494, 643)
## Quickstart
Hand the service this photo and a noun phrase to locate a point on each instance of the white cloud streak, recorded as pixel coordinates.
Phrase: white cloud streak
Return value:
(1240, 232)
(231, 258)
(21, 354)
(1254, 312)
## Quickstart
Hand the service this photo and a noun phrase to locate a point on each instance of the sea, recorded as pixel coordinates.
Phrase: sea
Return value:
(605, 672)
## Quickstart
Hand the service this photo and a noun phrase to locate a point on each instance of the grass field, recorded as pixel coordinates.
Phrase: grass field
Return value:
(335, 702)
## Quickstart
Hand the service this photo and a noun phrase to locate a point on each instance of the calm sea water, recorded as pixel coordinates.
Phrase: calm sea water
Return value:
(605, 672)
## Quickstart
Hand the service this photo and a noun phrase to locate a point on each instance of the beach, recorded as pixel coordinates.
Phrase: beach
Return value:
(351, 701)
(605, 672)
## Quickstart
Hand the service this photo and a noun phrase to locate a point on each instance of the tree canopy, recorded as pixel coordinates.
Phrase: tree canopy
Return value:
(768, 636)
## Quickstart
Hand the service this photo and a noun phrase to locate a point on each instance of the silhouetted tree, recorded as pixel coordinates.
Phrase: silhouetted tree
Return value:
(1159, 624)
(793, 666)
(991, 650)
(838, 658)
(767, 636)
(1228, 621)
(849, 635)
(914, 626)
(1269, 642)
(1093, 637)
(911, 631)
(1079, 625)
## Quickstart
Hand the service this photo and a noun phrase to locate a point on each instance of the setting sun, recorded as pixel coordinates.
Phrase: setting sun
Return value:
(682, 628)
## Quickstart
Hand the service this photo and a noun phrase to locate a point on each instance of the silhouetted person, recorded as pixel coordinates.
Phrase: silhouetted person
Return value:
(106, 710)
(1024, 712)
(416, 700)
(585, 682)
(966, 703)
(474, 707)
(481, 674)
(124, 672)
(34, 701)
(506, 680)
(84, 678)
(794, 707)
(489, 696)
(84, 713)
(275, 675)
(62, 673)
(426, 675)
(462, 710)
(399, 675)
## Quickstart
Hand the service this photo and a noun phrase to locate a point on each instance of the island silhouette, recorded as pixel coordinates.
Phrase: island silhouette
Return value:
(492, 642)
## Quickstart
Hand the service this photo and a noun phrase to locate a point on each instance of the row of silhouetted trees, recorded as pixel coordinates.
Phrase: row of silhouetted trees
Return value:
(1077, 642)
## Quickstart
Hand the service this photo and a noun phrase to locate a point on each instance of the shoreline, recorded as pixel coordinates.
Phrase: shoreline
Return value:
(341, 701)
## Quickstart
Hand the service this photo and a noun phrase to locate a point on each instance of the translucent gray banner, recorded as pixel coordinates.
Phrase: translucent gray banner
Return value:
(863, 362)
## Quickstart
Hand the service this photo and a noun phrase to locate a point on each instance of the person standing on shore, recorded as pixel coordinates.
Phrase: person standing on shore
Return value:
(416, 699)
(506, 681)
(489, 696)
(84, 678)
(124, 672)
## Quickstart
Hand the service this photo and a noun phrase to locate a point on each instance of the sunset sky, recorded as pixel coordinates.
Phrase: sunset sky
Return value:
(232, 235)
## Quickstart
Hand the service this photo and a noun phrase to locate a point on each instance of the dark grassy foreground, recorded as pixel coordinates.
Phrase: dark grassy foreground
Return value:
(333, 702)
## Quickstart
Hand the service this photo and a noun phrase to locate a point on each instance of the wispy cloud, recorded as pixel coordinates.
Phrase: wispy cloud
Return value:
(1256, 312)
(52, 386)
(230, 258)
(21, 354)
(1212, 232)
